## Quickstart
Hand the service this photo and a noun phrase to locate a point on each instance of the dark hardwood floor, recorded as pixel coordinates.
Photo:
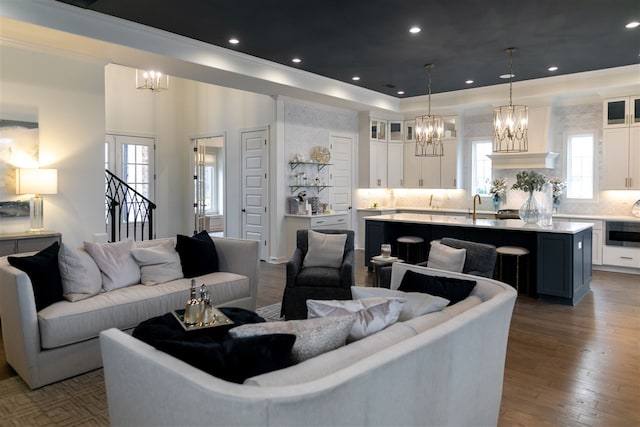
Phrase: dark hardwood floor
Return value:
(566, 366)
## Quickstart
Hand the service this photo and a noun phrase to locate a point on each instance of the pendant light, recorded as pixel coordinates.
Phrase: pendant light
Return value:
(510, 121)
(429, 129)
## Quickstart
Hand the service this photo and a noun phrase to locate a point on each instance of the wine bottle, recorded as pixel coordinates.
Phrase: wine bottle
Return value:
(192, 309)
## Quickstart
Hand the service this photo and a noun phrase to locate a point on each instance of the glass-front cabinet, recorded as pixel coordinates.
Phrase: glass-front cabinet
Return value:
(621, 112)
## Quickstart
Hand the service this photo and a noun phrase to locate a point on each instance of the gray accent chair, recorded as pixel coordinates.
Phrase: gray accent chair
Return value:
(322, 283)
(480, 259)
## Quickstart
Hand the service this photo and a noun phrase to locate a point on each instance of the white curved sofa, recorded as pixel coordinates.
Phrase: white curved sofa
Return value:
(442, 369)
(61, 340)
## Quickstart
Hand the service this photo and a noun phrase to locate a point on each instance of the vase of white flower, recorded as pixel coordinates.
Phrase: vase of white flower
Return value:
(531, 210)
(498, 191)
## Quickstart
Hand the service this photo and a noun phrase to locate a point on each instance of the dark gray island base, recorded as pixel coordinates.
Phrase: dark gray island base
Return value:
(560, 254)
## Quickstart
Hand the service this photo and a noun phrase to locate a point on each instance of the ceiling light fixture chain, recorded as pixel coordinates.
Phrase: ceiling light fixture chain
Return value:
(511, 122)
(429, 129)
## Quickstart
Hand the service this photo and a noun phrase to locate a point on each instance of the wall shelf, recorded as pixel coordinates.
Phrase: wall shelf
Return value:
(294, 188)
(294, 165)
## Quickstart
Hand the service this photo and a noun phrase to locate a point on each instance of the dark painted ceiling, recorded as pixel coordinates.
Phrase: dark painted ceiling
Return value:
(465, 39)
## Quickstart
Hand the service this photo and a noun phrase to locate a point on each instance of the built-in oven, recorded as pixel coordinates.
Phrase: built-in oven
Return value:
(620, 233)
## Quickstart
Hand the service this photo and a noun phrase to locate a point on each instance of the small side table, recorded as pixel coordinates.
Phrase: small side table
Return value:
(380, 261)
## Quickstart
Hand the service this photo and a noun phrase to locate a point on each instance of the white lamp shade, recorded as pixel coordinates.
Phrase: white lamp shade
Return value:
(36, 181)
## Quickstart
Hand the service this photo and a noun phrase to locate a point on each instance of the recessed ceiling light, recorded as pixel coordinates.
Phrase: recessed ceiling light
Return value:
(400, 92)
(234, 40)
(355, 78)
(468, 81)
(507, 76)
(296, 60)
(415, 30)
(632, 24)
(554, 68)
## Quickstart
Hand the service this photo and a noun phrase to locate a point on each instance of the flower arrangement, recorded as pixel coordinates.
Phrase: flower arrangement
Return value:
(498, 187)
(558, 186)
(529, 181)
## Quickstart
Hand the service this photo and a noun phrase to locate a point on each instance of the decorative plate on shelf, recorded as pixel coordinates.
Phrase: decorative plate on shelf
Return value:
(321, 154)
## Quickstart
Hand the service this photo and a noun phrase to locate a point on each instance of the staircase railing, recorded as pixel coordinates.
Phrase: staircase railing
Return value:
(128, 211)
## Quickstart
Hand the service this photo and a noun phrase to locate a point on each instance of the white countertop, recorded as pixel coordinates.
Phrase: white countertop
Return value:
(504, 224)
(436, 211)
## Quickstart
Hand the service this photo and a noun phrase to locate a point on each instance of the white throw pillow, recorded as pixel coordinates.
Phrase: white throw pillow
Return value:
(158, 264)
(115, 262)
(417, 303)
(444, 257)
(324, 250)
(372, 314)
(79, 273)
(313, 336)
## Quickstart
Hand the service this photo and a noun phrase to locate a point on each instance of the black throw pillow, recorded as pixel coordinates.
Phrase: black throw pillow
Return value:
(42, 269)
(234, 359)
(197, 254)
(455, 290)
(214, 351)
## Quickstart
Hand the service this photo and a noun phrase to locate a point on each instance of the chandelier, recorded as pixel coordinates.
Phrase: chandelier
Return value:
(510, 121)
(429, 129)
(152, 80)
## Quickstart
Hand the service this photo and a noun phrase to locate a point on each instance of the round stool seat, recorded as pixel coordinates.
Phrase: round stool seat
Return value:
(517, 252)
(411, 242)
(410, 239)
(512, 250)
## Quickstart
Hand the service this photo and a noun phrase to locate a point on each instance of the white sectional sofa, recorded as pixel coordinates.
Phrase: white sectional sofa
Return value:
(61, 340)
(440, 369)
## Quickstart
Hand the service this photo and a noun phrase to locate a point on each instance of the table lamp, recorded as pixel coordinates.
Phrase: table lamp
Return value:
(36, 182)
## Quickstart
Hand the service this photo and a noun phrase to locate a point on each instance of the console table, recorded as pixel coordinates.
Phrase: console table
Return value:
(14, 243)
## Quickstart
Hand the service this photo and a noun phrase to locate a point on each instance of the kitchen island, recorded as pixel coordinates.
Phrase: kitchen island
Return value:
(560, 254)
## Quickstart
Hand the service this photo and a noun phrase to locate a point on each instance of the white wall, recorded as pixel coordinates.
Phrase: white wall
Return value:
(130, 111)
(209, 110)
(66, 97)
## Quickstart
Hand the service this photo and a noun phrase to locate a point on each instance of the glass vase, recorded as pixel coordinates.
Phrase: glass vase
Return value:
(530, 211)
(496, 202)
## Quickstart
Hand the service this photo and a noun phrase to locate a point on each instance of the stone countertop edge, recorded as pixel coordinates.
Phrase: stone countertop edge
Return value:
(317, 215)
(598, 217)
(504, 224)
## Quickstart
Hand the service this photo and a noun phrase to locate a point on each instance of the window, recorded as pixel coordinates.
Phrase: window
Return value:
(481, 167)
(580, 149)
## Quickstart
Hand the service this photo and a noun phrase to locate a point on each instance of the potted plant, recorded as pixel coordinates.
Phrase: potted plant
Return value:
(498, 191)
(558, 190)
(529, 181)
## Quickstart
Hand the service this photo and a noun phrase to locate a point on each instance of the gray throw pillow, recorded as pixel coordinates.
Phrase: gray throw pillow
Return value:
(324, 250)
(313, 336)
(115, 262)
(447, 258)
(158, 264)
(79, 273)
(417, 303)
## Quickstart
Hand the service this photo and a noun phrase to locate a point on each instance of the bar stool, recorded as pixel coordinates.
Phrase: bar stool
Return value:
(517, 252)
(411, 242)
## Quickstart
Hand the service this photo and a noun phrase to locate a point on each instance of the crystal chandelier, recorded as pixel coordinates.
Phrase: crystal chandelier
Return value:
(429, 129)
(152, 80)
(510, 121)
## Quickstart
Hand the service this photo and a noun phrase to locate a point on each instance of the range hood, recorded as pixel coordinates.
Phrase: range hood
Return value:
(538, 156)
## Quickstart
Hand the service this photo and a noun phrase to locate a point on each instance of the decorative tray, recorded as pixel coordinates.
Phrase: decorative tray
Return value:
(220, 319)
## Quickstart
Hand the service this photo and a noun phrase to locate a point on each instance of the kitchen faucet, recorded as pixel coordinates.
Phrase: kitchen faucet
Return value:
(477, 196)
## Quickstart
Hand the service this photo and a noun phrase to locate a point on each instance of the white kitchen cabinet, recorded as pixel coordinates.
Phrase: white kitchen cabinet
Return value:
(621, 256)
(396, 132)
(431, 172)
(409, 130)
(420, 172)
(379, 160)
(395, 161)
(449, 164)
(621, 158)
(621, 112)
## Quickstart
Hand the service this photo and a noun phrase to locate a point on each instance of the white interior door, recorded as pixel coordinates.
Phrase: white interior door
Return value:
(255, 185)
(341, 159)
